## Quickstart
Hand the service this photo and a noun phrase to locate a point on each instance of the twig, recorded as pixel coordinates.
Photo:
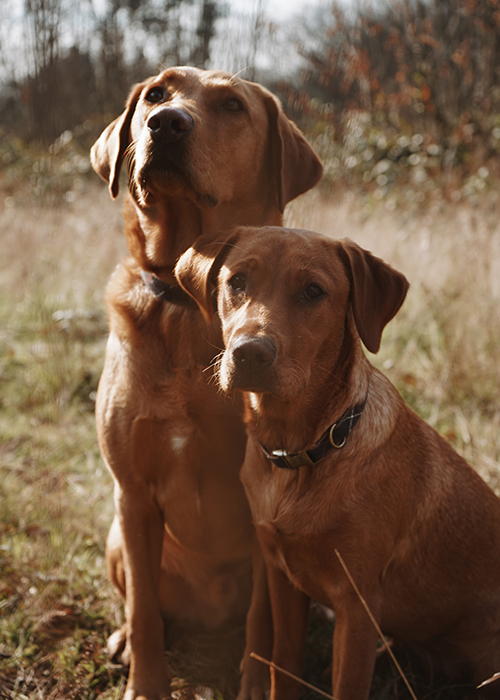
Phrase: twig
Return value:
(494, 677)
(374, 621)
(287, 673)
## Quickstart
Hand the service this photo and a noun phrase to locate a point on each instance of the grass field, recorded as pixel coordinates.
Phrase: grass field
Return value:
(56, 606)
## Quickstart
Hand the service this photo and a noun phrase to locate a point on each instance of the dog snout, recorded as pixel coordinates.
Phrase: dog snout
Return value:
(169, 124)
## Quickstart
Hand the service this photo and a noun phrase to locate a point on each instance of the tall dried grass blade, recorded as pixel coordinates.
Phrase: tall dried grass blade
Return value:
(375, 623)
(291, 675)
(494, 677)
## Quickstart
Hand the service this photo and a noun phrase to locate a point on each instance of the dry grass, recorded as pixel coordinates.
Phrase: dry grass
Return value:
(55, 496)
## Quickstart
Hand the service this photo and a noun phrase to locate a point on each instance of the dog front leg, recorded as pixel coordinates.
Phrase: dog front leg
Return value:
(354, 650)
(255, 680)
(141, 523)
(290, 610)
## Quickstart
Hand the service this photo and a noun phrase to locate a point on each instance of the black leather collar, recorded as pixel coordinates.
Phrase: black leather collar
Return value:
(171, 293)
(335, 436)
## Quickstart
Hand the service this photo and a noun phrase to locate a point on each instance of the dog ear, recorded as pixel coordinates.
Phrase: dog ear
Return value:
(198, 268)
(107, 152)
(295, 165)
(377, 292)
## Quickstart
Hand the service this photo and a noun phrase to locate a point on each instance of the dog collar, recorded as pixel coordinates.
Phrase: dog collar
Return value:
(167, 292)
(334, 436)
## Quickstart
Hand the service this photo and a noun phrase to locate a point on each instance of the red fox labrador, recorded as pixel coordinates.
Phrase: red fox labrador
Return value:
(336, 461)
(205, 151)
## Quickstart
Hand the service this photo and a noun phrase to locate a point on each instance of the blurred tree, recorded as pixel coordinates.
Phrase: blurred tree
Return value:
(77, 89)
(256, 38)
(210, 13)
(112, 79)
(43, 19)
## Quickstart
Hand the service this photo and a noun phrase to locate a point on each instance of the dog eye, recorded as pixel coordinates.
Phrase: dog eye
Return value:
(312, 291)
(238, 282)
(234, 105)
(154, 95)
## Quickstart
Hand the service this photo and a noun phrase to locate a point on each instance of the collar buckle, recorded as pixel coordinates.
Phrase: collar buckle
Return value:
(294, 460)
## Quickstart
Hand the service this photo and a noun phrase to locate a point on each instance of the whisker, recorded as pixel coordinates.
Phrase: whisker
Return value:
(213, 345)
(216, 375)
(129, 157)
(235, 75)
(214, 362)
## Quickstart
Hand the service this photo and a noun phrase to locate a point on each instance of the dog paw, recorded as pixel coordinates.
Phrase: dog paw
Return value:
(256, 692)
(255, 681)
(117, 646)
(133, 694)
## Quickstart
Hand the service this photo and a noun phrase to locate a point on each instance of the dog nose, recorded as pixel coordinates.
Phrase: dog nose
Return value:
(168, 124)
(254, 352)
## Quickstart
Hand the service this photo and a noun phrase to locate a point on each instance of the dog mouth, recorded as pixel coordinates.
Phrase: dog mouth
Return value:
(255, 387)
(245, 380)
(270, 387)
(270, 383)
(156, 171)
(154, 165)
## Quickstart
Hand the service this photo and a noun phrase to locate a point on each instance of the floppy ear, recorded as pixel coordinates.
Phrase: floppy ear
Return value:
(377, 291)
(296, 166)
(197, 269)
(107, 152)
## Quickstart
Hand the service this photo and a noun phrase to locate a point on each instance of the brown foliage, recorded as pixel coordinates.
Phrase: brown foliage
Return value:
(430, 64)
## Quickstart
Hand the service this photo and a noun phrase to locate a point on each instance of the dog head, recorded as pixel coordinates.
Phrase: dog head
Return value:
(291, 304)
(207, 136)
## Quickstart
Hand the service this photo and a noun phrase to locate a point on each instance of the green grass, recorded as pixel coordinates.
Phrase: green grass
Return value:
(56, 606)
(56, 505)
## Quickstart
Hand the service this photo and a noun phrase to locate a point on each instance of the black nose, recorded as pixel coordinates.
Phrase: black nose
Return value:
(253, 353)
(169, 124)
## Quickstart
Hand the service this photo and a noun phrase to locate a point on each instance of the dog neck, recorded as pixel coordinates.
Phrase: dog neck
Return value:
(296, 424)
(335, 437)
(159, 234)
